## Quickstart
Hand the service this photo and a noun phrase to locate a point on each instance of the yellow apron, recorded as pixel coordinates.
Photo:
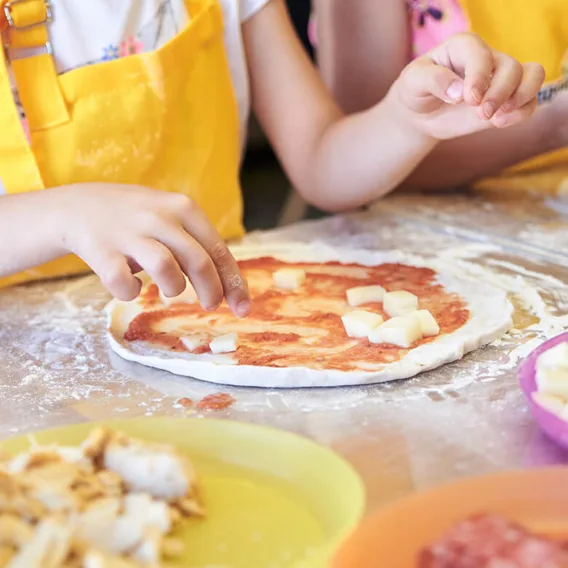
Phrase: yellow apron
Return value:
(529, 30)
(166, 119)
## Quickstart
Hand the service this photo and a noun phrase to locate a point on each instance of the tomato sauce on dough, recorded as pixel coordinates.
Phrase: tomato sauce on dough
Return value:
(300, 327)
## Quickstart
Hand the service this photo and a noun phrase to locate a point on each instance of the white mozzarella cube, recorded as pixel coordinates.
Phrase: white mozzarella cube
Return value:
(399, 303)
(188, 296)
(553, 382)
(224, 343)
(563, 412)
(402, 331)
(555, 358)
(365, 295)
(360, 323)
(428, 324)
(289, 278)
(192, 342)
(551, 403)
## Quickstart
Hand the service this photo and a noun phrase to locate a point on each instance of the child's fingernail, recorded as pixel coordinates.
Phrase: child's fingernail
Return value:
(476, 94)
(500, 120)
(455, 91)
(489, 109)
(243, 308)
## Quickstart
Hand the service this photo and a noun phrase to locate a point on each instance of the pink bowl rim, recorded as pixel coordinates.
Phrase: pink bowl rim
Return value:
(552, 425)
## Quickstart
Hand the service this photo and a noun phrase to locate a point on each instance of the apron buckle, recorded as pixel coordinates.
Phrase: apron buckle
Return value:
(29, 21)
(30, 54)
(27, 52)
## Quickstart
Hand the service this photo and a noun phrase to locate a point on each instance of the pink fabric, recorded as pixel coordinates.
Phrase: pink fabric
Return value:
(313, 31)
(434, 21)
(26, 128)
(431, 21)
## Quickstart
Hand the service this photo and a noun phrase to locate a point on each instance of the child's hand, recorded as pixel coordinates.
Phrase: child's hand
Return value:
(119, 230)
(464, 86)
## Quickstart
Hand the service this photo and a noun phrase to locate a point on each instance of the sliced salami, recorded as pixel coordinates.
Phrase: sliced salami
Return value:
(490, 541)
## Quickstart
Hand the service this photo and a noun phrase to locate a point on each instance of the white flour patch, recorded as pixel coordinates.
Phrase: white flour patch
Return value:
(55, 354)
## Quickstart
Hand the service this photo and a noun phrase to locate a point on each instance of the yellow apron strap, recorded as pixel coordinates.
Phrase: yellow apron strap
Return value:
(36, 76)
(23, 173)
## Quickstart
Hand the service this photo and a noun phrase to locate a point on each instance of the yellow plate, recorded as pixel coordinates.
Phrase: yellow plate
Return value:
(273, 499)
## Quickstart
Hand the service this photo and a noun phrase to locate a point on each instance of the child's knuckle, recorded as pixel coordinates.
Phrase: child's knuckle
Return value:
(220, 253)
(114, 274)
(161, 262)
(183, 204)
(201, 265)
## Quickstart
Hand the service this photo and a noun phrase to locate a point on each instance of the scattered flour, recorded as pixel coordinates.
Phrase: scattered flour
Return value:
(57, 368)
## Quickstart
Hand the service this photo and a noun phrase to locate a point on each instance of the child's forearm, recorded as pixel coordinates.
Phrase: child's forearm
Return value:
(335, 162)
(29, 232)
(364, 156)
(120, 230)
(463, 160)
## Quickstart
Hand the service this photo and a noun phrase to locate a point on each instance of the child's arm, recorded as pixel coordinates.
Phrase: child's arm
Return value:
(119, 230)
(335, 163)
(339, 163)
(364, 44)
(362, 47)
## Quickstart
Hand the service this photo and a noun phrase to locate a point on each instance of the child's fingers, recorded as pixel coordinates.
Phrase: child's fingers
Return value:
(505, 119)
(473, 60)
(197, 264)
(424, 79)
(115, 274)
(158, 261)
(506, 79)
(533, 78)
(234, 285)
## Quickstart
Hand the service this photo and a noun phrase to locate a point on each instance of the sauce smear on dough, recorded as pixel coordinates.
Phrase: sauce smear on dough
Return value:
(300, 327)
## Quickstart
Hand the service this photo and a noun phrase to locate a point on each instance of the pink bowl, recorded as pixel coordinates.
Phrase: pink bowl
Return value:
(552, 425)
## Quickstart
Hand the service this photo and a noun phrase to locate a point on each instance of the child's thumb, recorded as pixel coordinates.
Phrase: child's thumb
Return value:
(430, 79)
(445, 84)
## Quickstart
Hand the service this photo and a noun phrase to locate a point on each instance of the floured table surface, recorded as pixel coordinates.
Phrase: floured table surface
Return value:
(462, 419)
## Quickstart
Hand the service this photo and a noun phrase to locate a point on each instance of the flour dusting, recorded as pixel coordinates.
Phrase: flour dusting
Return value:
(57, 368)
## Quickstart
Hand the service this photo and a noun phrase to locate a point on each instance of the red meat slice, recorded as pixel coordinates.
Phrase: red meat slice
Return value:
(490, 541)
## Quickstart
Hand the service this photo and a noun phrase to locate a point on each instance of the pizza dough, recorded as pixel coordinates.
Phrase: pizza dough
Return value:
(298, 343)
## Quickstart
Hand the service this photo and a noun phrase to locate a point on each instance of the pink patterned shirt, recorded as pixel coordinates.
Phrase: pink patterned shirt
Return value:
(431, 22)
(434, 21)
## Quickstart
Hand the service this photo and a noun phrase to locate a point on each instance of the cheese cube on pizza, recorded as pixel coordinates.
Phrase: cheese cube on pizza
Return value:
(360, 323)
(428, 324)
(289, 278)
(224, 344)
(553, 404)
(399, 303)
(188, 296)
(191, 343)
(402, 331)
(555, 358)
(553, 382)
(365, 295)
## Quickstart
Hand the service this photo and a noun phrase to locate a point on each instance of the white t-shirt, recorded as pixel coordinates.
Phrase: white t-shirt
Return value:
(84, 33)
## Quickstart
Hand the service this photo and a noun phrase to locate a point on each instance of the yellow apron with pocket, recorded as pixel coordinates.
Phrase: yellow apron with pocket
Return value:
(166, 119)
(529, 30)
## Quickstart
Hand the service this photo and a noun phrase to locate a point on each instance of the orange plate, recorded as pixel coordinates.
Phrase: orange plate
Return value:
(392, 538)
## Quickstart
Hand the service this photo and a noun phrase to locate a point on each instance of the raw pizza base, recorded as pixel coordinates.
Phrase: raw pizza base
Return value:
(490, 318)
